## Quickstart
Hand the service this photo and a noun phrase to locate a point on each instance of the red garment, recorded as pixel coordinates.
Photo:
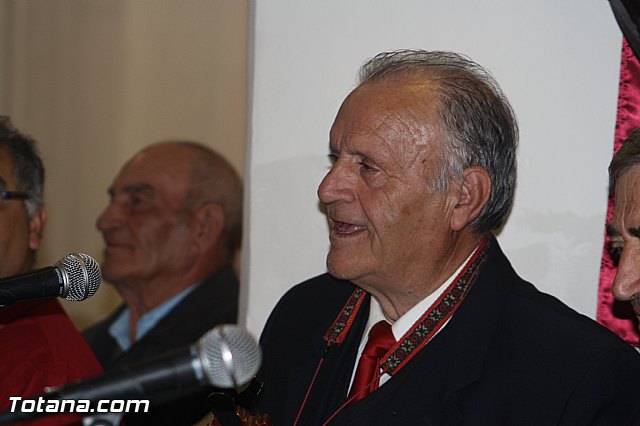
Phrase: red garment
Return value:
(380, 340)
(41, 347)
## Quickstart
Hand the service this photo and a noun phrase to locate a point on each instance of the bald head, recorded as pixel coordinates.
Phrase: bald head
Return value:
(208, 178)
(174, 215)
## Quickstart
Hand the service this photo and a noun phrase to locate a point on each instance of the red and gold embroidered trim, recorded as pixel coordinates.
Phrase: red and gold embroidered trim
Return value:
(340, 327)
(436, 316)
(426, 327)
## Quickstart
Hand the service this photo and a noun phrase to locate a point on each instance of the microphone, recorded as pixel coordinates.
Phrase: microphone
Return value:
(75, 277)
(224, 357)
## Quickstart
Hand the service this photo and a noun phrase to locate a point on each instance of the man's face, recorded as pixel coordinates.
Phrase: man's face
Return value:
(18, 233)
(387, 225)
(626, 238)
(145, 227)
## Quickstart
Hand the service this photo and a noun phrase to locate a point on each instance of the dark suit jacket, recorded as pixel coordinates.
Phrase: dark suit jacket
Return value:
(213, 302)
(510, 355)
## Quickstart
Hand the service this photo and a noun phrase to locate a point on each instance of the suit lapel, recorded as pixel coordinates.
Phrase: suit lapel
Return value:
(329, 390)
(212, 302)
(454, 360)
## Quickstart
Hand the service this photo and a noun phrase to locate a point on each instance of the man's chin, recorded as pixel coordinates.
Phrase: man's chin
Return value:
(112, 251)
(343, 269)
(112, 258)
(337, 271)
(111, 277)
(113, 271)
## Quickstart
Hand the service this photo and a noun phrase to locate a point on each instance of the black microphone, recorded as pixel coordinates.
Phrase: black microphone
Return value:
(224, 357)
(75, 277)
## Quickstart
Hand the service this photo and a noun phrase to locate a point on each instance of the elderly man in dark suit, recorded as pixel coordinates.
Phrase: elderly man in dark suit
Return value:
(421, 319)
(172, 228)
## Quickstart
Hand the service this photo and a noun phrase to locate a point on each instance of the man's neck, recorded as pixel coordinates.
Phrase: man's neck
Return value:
(144, 297)
(397, 300)
(127, 331)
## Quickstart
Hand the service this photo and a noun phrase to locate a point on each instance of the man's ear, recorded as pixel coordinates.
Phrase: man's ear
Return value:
(37, 223)
(473, 193)
(208, 224)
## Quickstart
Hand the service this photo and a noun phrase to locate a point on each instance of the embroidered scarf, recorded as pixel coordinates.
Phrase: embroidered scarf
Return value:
(425, 328)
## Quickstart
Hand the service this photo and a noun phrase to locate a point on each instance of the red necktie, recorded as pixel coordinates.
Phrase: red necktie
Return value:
(368, 372)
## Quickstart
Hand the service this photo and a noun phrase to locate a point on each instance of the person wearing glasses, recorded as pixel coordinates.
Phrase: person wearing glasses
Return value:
(40, 345)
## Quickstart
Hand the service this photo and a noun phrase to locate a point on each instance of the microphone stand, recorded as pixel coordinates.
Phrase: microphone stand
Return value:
(226, 405)
(222, 405)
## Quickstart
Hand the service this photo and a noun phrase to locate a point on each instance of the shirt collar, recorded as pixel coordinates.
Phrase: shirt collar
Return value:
(119, 329)
(406, 321)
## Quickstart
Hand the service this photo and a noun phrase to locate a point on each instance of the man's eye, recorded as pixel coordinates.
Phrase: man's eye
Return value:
(615, 249)
(366, 168)
(139, 202)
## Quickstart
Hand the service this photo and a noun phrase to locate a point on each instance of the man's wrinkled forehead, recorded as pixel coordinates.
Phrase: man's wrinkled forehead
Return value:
(405, 106)
(628, 184)
(626, 212)
(409, 88)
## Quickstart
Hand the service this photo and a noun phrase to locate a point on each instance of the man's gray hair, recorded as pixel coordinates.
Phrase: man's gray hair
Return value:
(627, 157)
(213, 179)
(479, 125)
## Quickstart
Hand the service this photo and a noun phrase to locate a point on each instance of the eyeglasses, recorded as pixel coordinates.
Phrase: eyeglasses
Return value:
(14, 195)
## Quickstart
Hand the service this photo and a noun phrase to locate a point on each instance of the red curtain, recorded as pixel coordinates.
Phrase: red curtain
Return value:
(618, 316)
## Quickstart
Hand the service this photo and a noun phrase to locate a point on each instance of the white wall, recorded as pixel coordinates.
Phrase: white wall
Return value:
(557, 61)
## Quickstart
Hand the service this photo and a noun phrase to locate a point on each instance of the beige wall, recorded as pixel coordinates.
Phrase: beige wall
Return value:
(95, 80)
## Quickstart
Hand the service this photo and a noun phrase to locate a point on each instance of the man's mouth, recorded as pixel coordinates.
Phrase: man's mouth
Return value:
(344, 228)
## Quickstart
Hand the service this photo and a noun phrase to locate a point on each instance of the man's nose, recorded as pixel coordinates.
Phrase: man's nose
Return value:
(337, 185)
(110, 217)
(626, 285)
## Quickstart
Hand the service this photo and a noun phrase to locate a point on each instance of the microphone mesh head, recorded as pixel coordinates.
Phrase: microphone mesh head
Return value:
(230, 356)
(83, 275)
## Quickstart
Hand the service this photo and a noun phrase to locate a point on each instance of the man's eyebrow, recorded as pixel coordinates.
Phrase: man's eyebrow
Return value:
(333, 150)
(137, 188)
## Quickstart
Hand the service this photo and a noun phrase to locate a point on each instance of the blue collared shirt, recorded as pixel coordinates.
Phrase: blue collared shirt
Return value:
(119, 330)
